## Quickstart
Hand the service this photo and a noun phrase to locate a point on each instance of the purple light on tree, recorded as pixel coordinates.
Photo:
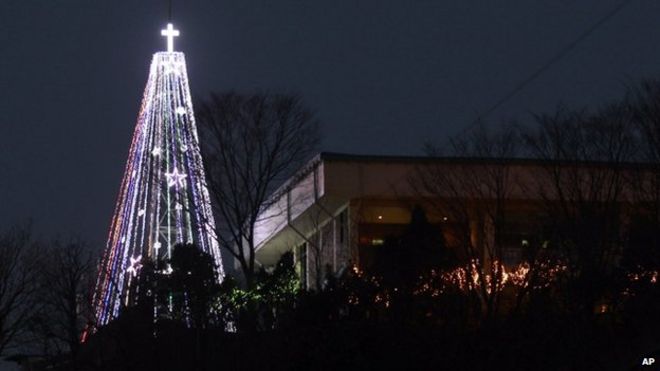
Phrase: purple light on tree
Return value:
(163, 198)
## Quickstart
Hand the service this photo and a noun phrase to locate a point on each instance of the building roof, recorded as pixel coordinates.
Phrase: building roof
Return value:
(337, 156)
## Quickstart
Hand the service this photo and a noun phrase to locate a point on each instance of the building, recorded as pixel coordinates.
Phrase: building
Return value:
(340, 208)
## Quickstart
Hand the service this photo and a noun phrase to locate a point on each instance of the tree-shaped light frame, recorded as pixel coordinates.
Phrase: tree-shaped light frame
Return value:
(163, 198)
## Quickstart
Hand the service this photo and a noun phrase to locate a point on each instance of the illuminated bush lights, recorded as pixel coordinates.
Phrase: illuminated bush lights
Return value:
(467, 279)
(163, 199)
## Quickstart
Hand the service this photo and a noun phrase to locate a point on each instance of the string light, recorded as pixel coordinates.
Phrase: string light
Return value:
(175, 178)
(163, 198)
(135, 265)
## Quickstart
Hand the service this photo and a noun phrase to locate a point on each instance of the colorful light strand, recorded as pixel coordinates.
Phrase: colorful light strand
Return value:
(163, 199)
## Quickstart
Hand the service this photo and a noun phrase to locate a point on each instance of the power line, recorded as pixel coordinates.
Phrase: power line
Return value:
(556, 58)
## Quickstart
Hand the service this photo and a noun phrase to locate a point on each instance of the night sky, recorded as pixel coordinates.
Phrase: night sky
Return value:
(383, 76)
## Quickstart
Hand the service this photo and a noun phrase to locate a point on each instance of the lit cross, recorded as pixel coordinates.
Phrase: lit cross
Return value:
(175, 178)
(170, 33)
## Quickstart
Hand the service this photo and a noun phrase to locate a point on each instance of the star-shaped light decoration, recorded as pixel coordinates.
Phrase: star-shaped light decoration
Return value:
(181, 110)
(135, 265)
(176, 178)
(156, 151)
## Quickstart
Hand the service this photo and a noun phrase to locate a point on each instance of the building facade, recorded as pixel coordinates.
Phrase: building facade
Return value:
(340, 209)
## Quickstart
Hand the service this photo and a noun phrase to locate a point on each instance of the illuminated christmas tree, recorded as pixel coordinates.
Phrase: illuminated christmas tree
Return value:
(163, 200)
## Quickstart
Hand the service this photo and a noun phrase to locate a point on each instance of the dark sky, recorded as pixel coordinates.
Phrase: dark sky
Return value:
(384, 76)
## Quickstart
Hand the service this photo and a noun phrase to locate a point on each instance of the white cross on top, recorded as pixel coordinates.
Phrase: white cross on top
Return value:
(170, 33)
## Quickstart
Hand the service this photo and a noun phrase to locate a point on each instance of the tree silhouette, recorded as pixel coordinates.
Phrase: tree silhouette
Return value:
(192, 286)
(66, 284)
(583, 183)
(251, 144)
(18, 284)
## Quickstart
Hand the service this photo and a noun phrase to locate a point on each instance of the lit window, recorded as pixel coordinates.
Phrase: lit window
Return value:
(377, 241)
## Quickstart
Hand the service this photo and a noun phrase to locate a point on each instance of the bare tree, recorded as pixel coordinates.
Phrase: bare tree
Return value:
(251, 144)
(471, 191)
(644, 104)
(18, 269)
(67, 276)
(583, 180)
(643, 237)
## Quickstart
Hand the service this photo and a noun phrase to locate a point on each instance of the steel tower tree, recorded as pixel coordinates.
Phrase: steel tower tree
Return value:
(163, 198)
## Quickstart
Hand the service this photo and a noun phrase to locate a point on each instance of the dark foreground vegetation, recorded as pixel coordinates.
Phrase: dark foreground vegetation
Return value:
(585, 295)
(550, 344)
(362, 321)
